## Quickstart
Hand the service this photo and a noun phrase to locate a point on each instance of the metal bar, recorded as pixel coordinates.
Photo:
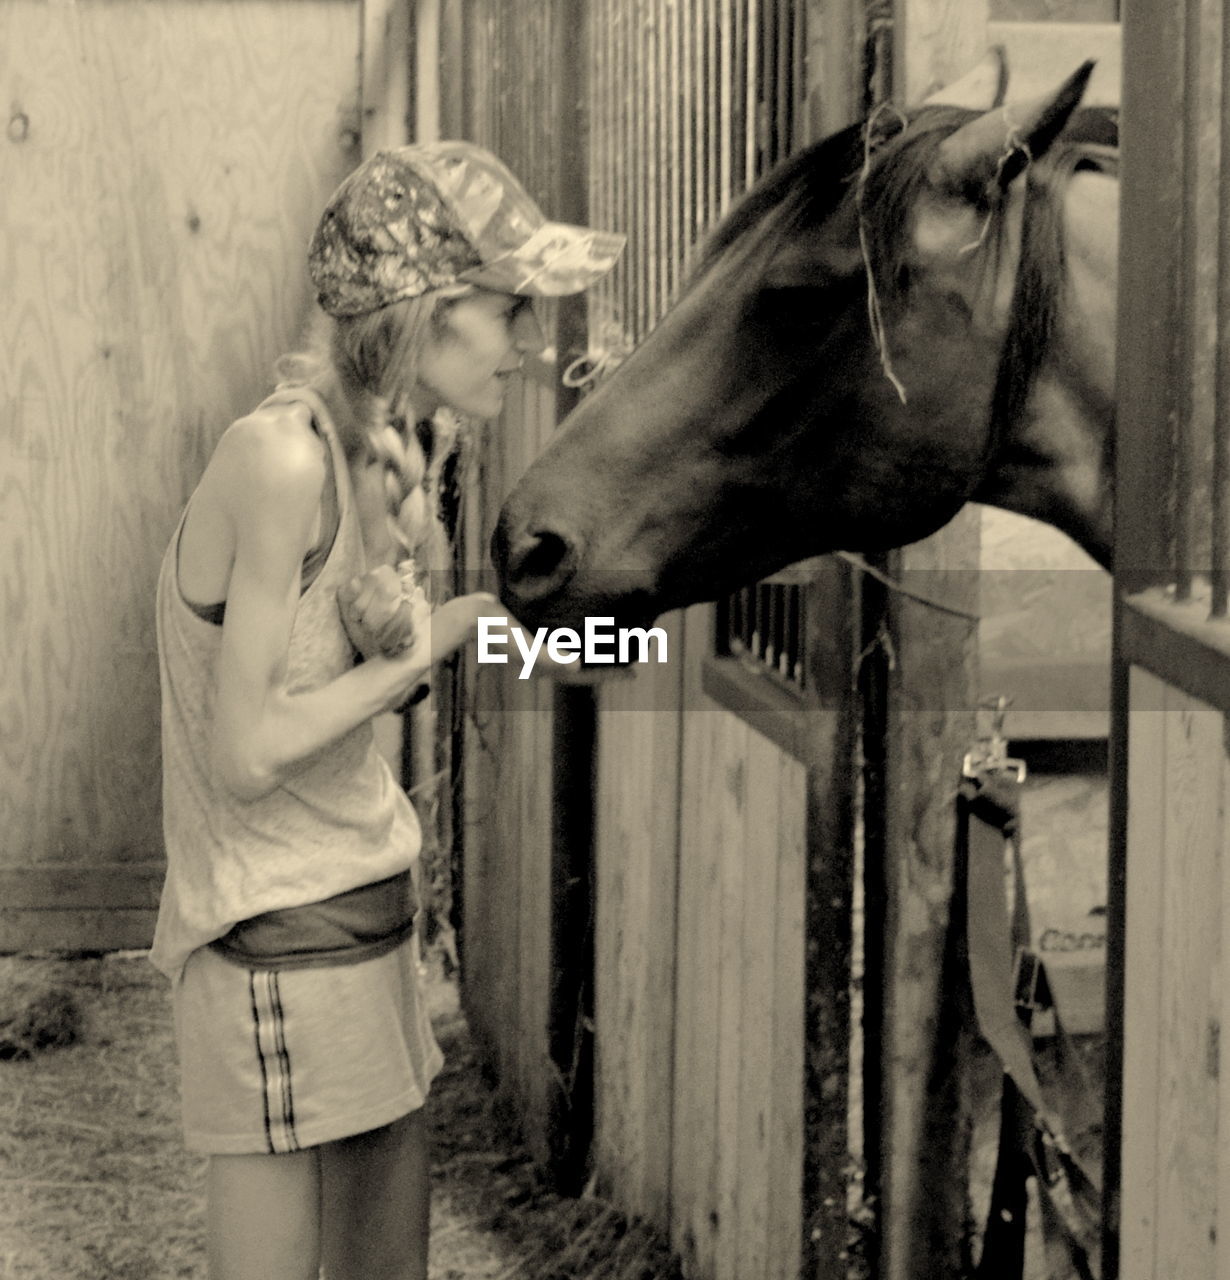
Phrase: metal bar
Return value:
(655, 175)
(1149, 313)
(674, 241)
(738, 127)
(713, 186)
(785, 76)
(640, 168)
(627, 158)
(725, 141)
(1220, 497)
(688, 136)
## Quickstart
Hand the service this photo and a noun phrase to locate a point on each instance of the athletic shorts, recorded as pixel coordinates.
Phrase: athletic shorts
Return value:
(275, 1061)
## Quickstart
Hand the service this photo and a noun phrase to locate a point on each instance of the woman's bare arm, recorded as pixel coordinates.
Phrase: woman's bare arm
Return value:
(274, 470)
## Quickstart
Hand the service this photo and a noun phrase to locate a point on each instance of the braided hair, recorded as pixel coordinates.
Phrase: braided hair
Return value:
(374, 358)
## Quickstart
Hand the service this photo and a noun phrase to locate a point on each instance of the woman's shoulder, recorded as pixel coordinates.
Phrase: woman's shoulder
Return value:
(273, 448)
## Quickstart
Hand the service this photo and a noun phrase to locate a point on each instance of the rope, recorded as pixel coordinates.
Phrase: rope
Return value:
(892, 584)
(874, 313)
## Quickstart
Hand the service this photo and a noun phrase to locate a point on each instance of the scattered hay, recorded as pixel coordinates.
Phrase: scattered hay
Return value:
(32, 1021)
(95, 1183)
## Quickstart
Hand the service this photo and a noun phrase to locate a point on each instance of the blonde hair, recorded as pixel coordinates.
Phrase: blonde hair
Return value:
(374, 358)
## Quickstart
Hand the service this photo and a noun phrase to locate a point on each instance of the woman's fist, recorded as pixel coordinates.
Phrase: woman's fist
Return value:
(382, 611)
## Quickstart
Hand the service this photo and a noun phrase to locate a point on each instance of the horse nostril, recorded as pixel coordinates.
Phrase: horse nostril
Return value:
(535, 565)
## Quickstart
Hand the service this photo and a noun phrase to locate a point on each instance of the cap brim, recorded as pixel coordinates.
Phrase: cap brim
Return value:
(558, 259)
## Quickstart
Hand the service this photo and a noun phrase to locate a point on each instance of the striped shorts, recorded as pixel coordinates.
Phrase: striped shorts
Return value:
(280, 1060)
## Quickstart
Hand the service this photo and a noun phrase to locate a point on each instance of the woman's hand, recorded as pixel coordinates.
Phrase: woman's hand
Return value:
(438, 635)
(380, 611)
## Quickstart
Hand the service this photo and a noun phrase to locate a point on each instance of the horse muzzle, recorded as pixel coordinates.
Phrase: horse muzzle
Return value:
(535, 566)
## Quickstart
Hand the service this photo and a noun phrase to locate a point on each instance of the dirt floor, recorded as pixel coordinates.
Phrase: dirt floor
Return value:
(94, 1183)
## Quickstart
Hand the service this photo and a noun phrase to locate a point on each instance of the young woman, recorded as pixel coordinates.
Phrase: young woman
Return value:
(287, 918)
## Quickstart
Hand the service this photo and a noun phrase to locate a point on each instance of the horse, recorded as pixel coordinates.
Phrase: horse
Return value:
(912, 314)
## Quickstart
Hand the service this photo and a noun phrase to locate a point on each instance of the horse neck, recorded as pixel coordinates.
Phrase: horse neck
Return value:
(1054, 463)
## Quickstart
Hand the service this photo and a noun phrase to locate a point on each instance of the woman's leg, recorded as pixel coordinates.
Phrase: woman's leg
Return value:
(375, 1195)
(263, 1217)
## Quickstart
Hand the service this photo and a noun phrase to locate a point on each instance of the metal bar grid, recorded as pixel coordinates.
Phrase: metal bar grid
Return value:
(691, 101)
(1175, 293)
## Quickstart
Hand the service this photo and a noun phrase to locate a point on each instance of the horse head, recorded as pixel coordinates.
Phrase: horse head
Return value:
(884, 329)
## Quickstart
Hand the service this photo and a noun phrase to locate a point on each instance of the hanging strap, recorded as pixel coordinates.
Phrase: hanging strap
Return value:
(1008, 980)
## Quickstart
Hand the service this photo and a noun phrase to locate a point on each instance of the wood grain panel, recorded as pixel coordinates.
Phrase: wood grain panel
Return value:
(637, 851)
(697, 998)
(753, 1152)
(786, 1126)
(728, 796)
(170, 161)
(1187, 1017)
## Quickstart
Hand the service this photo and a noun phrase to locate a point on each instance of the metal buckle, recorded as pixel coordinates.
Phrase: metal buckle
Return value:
(990, 751)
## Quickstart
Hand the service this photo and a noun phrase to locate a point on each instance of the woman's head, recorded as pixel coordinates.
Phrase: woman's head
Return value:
(425, 257)
(426, 260)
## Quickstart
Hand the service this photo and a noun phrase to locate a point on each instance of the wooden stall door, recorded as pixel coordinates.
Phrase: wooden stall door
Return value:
(1168, 1176)
(162, 166)
(722, 850)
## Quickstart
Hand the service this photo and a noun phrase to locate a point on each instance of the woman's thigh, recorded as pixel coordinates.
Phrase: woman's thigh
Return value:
(263, 1216)
(375, 1194)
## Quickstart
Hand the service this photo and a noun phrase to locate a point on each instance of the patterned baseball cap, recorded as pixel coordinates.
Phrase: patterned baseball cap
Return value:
(417, 218)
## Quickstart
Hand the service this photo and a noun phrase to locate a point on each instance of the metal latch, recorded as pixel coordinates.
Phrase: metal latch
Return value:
(990, 751)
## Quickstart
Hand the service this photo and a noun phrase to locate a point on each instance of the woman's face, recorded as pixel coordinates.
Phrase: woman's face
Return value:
(481, 341)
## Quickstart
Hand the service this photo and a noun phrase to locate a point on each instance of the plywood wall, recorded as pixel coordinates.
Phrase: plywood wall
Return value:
(163, 163)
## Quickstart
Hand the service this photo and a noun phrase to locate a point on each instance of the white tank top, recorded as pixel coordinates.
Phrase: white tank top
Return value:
(340, 822)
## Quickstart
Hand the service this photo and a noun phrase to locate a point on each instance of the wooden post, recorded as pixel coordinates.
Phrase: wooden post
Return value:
(385, 74)
(426, 70)
(832, 99)
(931, 691)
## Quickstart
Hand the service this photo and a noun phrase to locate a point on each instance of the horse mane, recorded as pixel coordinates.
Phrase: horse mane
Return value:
(885, 163)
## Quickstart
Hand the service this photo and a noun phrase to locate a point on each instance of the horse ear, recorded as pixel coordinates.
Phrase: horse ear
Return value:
(982, 87)
(992, 150)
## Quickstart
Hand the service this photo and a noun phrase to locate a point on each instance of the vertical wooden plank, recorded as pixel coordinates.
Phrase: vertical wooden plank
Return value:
(934, 41)
(786, 1125)
(385, 76)
(835, 35)
(696, 999)
(1222, 1210)
(638, 828)
(754, 1155)
(1193, 760)
(729, 794)
(426, 70)
(1145, 868)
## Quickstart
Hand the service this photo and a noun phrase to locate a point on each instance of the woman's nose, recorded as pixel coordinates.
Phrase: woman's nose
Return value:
(527, 333)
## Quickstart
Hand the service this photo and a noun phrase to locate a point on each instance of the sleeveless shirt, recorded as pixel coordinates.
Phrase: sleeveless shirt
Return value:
(339, 822)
